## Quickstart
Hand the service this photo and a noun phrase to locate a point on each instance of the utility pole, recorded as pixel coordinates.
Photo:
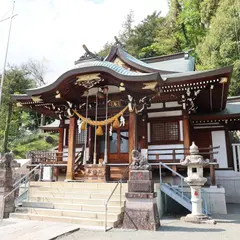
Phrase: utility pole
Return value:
(5, 61)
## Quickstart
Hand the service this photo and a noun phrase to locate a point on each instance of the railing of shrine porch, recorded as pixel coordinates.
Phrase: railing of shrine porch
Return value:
(42, 156)
(236, 156)
(174, 155)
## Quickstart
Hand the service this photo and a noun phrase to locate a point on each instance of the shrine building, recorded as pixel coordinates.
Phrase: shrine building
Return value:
(106, 107)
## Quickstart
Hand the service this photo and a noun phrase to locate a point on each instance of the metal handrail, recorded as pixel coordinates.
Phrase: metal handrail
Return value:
(17, 185)
(182, 178)
(120, 197)
(164, 165)
(179, 175)
(22, 178)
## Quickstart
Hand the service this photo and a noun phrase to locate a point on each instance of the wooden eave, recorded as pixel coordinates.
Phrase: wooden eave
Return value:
(28, 103)
(168, 84)
(211, 116)
(71, 76)
(197, 75)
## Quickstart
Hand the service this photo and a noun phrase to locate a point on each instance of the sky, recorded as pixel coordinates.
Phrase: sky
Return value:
(53, 31)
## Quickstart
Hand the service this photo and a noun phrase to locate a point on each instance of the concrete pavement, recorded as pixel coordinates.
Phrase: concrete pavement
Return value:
(14, 229)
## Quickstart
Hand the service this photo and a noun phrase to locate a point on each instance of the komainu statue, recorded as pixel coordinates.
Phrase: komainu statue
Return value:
(139, 162)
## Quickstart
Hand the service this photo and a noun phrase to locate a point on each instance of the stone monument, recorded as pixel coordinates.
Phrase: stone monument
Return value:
(6, 183)
(141, 207)
(195, 180)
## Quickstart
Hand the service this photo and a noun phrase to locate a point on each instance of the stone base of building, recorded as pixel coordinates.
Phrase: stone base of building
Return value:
(141, 210)
(198, 219)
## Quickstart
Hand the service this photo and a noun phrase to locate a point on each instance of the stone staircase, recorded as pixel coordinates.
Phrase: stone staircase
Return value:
(176, 194)
(73, 202)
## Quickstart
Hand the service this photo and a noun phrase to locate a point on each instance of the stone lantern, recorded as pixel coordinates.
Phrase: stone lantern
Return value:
(195, 180)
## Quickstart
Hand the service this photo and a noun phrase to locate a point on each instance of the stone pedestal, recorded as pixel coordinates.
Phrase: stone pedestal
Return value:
(1, 201)
(6, 185)
(141, 207)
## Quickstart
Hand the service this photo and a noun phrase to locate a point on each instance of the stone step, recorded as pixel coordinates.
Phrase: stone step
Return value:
(75, 200)
(73, 220)
(78, 207)
(68, 213)
(78, 185)
(77, 190)
(85, 195)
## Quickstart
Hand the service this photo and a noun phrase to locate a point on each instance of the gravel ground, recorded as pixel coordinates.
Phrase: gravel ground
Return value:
(227, 227)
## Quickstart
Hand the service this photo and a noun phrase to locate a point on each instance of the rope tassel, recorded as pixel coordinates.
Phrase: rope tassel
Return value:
(83, 126)
(116, 123)
(99, 131)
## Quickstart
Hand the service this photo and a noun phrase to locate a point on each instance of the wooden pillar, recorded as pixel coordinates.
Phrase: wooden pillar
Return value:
(142, 132)
(60, 140)
(71, 148)
(212, 167)
(229, 148)
(132, 142)
(59, 156)
(212, 175)
(186, 132)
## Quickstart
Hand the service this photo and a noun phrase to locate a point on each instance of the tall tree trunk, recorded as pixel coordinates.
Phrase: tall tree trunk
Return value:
(185, 34)
(7, 127)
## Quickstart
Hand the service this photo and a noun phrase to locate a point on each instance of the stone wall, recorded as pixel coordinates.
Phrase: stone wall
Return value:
(160, 199)
(230, 180)
(214, 197)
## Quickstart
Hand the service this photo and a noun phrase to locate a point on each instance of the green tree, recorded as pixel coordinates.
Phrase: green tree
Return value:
(190, 28)
(127, 28)
(37, 71)
(124, 35)
(221, 46)
(16, 81)
(208, 10)
(143, 36)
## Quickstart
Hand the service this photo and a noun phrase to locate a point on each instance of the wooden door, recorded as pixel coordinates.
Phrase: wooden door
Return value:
(202, 138)
(117, 146)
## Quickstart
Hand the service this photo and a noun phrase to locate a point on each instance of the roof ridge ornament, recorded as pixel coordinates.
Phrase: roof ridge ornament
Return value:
(88, 56)
(118, 42)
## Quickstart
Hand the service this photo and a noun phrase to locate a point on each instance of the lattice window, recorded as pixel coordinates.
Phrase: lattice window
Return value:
(164, 132)
(158, 131)
(172, 131)
(80, 137)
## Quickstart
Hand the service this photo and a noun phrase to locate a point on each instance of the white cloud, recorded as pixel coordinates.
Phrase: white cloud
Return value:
(55, 30)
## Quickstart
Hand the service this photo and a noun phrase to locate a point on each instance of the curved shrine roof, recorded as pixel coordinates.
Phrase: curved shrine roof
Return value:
(138, 77)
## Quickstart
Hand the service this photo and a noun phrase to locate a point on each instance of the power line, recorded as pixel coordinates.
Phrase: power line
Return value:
(5, 61)
(6, 14)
